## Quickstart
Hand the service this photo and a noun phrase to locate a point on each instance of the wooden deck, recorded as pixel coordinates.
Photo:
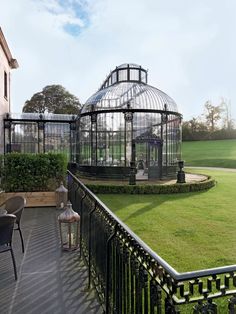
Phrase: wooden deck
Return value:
(49, 280)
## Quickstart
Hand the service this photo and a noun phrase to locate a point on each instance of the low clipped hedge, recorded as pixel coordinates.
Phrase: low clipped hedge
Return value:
(152, 189)
(1, 165)
(33, 172)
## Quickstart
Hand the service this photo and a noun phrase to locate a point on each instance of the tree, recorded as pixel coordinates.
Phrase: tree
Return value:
(212, 115)
(228, 122)
(194, 129)
(53, 99)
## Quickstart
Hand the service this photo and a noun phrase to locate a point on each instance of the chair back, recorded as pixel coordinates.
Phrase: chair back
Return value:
(15, 205)
(6, 228)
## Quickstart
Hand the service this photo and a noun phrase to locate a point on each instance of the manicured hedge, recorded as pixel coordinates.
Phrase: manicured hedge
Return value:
(33, 172)
(152, 189)
(1, 165)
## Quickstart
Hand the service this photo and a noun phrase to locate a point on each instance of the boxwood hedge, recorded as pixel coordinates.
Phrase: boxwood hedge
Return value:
(152, 188)
(32, 172)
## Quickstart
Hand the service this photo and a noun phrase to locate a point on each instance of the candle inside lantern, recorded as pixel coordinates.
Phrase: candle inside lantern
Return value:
(69, 228)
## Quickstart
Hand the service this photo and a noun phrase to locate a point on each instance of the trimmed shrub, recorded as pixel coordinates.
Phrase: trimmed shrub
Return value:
(152, 188)
(1, 165)
(33, 172)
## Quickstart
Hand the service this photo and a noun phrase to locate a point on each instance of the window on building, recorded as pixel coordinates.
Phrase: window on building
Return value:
(5, 85)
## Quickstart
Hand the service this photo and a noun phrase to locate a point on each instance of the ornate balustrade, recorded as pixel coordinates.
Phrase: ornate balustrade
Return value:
(130, 278)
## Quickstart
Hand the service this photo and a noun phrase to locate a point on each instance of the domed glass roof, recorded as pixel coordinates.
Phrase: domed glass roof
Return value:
(128, 84)
(131, 65)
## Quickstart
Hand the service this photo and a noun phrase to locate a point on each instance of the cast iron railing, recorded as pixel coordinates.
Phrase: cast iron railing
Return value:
(130, 278)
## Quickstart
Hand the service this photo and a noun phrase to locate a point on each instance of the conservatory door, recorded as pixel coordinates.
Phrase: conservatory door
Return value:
(148, 159)
(154, 162)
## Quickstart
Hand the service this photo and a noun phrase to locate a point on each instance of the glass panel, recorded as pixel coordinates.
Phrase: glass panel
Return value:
(111, 141)
(85, 141)
(24, 138)
(122, 75)
(57, 138)
(134, 75)
(114, 77)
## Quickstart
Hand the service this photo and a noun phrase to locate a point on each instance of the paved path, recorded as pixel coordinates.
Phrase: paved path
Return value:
(50, 281)
(214, 168)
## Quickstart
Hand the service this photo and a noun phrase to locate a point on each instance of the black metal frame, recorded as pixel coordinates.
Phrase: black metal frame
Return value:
(42, 125)
(115, 76)
(130, 278)
(135, 107)
(165, 170)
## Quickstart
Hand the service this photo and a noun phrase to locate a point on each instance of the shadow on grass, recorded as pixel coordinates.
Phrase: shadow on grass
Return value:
(212, 162)
(157, 199)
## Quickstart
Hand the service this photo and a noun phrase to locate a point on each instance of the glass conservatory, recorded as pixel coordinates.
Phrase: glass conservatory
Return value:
(129, 128)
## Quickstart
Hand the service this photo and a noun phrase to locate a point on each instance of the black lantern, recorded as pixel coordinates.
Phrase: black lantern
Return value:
(181, 173)
(69, 228)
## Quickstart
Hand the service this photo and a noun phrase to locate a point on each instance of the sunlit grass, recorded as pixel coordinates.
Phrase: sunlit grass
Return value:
(221, 153)
(190, 231)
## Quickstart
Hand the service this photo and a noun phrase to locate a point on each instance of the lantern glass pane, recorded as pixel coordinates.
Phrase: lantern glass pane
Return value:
(69, 235)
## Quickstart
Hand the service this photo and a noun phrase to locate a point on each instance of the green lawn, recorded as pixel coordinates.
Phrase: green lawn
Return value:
(190, 231)
(221, 153)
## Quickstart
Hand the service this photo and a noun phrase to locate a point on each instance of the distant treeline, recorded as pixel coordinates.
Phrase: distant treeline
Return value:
(201, 135)
(214, 124)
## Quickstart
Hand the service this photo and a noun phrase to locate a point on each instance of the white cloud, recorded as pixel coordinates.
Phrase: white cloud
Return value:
(188, 47)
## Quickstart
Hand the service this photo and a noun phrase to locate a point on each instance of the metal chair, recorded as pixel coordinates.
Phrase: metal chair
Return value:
(6, 230)
(15, 205)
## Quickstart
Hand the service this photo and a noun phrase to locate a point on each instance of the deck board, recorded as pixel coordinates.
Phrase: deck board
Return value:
(49, 280)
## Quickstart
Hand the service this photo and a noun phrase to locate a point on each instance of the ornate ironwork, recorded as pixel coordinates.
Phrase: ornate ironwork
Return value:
(73, 126)
(34, 133)
(131, 278)
(232, 304)
(164, 118)
(94, 118)
(7, 124)
(128, 115)
(41, 125)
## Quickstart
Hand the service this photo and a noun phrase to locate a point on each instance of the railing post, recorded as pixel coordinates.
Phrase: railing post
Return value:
(126, 281)
(119, 277)
(159, 298)
(132, 285)
(155, 297)
(170, 308)
(232, 303)
(81, 224)
(108, 266)
(90, 244)
(145, 288)
(122, 280)
(75, 196)
(208, 307)
(138, 289)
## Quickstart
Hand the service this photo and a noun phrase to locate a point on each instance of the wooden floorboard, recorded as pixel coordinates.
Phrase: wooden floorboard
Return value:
(49, 280)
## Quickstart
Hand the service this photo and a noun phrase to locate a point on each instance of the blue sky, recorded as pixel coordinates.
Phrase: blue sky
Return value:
(187, 46)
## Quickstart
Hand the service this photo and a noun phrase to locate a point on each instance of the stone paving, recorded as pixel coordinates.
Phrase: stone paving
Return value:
(142, 179)
(49, 280)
